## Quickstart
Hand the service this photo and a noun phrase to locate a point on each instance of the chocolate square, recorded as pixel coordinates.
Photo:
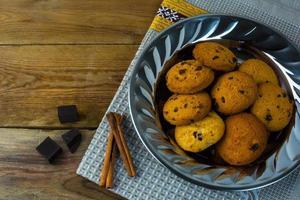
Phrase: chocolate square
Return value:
(73, 139)
(49, 149)
(67, 113)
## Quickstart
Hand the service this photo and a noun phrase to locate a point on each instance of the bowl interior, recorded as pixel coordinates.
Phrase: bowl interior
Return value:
(243, 52)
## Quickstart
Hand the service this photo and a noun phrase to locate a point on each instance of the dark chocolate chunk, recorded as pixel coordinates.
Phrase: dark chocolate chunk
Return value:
(49, 149)
(175, 109)
(68, 113)
(260, 95)
(254, 147)
(73, 139)
(182, 71)
(230, 78)
(278, 106)
(217, 51)
(223, 99)
(241, 91)
(215, 57)
(199, 68)
(185, 105)
(278, 95)
(218, 89)
(268, 117)
(284, 95)
(197, 135)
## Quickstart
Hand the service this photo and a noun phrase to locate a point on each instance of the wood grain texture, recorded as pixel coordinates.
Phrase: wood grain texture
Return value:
(26, 175)
(75, 21)
(60, 52)
(34, 80)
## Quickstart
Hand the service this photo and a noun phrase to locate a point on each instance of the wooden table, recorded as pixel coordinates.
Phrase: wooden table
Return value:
(52, 53)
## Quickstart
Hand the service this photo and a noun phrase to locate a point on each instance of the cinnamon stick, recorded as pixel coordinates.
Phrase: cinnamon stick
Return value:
(113, 124)
(120, 141)
(119, 119)
(116, 141)
(106, 164)
(109, 180)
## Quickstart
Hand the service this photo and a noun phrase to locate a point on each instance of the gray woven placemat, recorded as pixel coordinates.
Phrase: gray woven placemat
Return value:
(154, 181)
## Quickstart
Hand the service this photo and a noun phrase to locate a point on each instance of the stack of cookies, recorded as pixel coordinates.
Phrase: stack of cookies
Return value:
(217, 101)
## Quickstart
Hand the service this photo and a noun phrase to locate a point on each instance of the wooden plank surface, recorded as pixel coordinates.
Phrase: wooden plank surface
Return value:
(58, 52)
(75, 21)
(34, 80)
(26, 175)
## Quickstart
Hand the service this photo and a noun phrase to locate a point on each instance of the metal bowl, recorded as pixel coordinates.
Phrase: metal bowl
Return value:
(248, 39)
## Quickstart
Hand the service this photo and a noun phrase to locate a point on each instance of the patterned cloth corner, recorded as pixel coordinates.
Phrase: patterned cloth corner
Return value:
(172, 11)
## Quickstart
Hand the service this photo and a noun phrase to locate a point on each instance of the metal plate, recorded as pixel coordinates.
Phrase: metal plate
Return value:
(262, 41)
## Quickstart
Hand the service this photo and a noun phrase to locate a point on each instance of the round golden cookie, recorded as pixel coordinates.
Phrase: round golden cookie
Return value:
(200, 135)
(273, 107)
(260, 71)
(215, 56)
(188, 77)
(181, 109)
(234, 92)
(244, 140)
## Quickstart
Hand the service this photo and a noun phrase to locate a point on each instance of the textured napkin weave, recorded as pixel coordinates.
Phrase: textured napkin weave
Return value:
(154, 181)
